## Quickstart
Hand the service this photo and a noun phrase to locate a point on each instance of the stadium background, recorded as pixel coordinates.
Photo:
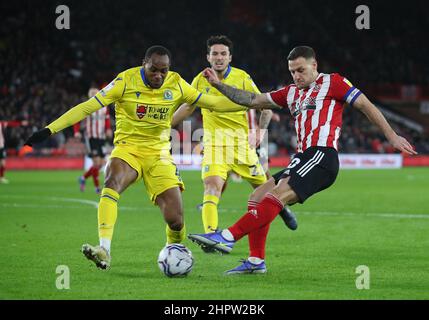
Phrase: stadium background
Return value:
(45, 71)
(377, 218)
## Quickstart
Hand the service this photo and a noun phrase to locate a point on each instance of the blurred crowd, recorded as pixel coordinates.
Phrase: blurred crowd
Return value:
(45, 71)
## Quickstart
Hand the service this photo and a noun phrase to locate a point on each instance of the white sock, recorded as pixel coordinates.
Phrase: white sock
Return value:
(227, 235)
(255, 260)
(105, 243)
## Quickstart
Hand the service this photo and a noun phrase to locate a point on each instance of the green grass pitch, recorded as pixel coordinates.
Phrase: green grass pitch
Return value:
(376, 218)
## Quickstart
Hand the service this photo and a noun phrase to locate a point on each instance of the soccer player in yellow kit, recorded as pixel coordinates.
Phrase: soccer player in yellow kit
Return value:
(145, 99)
(226, 144)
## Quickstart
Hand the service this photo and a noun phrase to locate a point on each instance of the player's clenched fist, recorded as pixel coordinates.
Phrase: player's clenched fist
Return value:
(38, 136)
(211, 76)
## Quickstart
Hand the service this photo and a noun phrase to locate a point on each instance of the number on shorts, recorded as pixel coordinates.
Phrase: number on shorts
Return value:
(294, 163)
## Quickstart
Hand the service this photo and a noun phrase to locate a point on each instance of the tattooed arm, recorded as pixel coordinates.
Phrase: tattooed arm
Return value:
(242, 97)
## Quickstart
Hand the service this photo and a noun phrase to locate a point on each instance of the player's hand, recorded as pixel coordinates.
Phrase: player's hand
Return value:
(401, 144)
(38, 136)
(211, 76)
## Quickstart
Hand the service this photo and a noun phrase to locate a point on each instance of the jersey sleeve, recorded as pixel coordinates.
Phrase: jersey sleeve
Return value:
(279, 97)
(190, 95)
(112, 92)
(74, 115)
(195, 82)
(343, 90)
(249, 85)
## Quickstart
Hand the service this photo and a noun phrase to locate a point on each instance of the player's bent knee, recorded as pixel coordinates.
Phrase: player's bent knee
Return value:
(284, 192)
(213, 186)
(175, 223)
(112, 183)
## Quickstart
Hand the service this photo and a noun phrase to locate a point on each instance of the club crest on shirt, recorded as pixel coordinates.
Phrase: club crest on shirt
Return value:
(168, 95)
(141, 111)
(138, 94)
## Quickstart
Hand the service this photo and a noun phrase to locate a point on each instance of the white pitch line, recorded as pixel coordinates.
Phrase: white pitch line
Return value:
(49, 206)
(94, 204)
(90, 202)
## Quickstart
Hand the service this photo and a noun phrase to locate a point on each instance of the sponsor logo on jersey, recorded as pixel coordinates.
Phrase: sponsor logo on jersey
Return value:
(168, 95)
(141, 111)
(138, 94)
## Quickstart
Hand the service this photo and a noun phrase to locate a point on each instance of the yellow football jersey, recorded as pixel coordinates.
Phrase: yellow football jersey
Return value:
(143, 114)
(221, 128)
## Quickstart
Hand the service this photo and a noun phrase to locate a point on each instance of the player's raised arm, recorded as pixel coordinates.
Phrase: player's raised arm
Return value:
(104, 97)
(376, 117)
(193, 97)
(242, 97)
(184, 111)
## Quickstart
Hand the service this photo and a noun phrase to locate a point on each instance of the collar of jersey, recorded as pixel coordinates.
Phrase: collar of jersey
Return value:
(144, 78)
(313, 83)
(228, 71)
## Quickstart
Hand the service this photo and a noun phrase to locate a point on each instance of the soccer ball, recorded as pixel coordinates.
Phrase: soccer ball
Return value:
(175, 260)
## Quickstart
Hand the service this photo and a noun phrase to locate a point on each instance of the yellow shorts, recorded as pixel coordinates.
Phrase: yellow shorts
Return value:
(221, 160)
(159, 174)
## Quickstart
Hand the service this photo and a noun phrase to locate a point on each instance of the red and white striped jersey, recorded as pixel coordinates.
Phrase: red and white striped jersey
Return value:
(96, 124)
(10, 124)
(251, 119)
(318, 109)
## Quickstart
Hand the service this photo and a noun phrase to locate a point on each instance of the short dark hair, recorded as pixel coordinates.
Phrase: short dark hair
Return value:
(160, 50)
(219, 40)
(301, 51)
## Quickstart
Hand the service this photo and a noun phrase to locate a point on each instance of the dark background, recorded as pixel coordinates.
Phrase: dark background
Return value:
(45, 71)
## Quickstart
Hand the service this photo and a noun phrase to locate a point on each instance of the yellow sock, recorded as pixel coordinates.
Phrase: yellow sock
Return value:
(107, 213)
(210, 215)
(175, 236)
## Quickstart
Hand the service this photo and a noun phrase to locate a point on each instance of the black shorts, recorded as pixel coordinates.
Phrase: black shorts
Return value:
(2, 153)
(311, 171)
(95, 147)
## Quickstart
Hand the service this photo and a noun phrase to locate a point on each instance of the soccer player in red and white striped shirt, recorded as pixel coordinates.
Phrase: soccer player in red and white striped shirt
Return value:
(3, 125)
(97, 128)
(316, 102)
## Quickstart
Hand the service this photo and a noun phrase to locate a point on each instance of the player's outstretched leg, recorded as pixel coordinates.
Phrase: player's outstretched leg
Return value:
(170, 204)
(97, 254)
(221, 241)
(289, 218)
(286, 213)
(248, 266)
(119, 175)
